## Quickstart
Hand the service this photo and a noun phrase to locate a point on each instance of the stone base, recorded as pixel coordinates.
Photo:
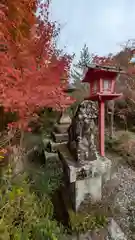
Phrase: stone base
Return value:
(52, 146)
(60, 137)
(86, 179)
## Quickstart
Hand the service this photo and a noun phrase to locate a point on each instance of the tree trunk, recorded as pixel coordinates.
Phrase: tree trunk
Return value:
(18, 155)
(78, 236)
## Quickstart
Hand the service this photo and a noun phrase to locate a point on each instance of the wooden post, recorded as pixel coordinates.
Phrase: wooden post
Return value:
(101, 128)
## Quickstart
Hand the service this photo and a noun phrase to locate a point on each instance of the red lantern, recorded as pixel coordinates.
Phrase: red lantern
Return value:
(102, 82)
(102, 87)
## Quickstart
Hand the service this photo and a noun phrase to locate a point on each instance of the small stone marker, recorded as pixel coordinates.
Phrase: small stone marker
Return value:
(115, 231)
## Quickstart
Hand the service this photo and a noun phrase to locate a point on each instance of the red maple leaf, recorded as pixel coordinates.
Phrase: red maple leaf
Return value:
(32, 72)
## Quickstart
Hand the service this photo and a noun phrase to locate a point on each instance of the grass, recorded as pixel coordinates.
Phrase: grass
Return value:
(123, 143)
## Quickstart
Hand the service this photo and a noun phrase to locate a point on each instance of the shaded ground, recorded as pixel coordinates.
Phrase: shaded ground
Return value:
(123, 143)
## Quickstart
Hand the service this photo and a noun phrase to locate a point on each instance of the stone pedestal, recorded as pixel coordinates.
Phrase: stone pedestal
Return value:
(84, 180)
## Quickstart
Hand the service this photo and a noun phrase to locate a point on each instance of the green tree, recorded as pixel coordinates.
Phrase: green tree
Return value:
(84, 61)
(85, 58)
(82, 90)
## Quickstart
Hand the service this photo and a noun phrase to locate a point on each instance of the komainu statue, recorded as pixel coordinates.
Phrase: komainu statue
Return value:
(82, 131)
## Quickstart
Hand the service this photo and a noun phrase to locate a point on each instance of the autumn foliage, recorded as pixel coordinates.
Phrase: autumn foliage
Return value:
(121, 61)
(125, 84)
(33, 73)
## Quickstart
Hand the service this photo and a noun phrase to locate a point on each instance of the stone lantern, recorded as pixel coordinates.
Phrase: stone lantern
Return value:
(60, 134)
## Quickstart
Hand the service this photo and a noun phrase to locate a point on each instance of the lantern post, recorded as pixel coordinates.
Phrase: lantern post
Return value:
(102, 81)
(101, 127)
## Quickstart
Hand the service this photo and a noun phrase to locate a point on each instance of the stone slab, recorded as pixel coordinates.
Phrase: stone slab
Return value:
(89, 186)
(60, 137)
(52, 146)
(50, 156)
(115, 232)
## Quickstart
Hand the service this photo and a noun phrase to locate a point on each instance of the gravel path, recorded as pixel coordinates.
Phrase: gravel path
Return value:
(120, 191)
(125, 199)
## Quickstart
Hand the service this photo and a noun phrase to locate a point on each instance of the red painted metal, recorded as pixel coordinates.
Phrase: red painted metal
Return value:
(100, 85)
(101, 128)
(93, 74)
(104, 97)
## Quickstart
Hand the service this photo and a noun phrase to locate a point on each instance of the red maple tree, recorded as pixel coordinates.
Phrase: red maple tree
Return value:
(33, 73)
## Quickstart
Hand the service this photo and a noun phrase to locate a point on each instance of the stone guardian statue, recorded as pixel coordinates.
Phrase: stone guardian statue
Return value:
(81, 133)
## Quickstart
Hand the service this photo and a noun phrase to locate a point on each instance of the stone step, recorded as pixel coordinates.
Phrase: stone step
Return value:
(50, 156)
(53, 146)
(60, 137)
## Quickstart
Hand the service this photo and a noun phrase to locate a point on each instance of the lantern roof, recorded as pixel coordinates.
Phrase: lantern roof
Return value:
(97, 72)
